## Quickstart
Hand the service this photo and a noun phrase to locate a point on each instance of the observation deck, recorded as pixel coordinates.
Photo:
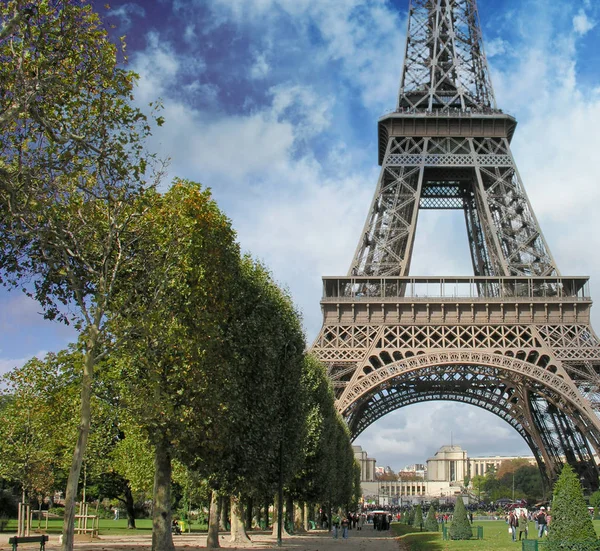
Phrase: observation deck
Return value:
(444, 122)
(456, 300)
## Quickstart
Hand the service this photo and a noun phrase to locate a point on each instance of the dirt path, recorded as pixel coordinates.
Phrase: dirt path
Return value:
(317, 540)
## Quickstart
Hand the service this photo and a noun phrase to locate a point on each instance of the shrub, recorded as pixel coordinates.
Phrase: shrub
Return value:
(571, 522)
(431, 524)
(410, 517)
(460, 527)
(418, 520)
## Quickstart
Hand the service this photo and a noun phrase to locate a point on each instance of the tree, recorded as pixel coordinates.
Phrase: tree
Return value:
(71, 160)
(478, 484)
(571, 522)
(460, 527)
(431, 524)
(418, 520)
(510, 466)
(168, 317)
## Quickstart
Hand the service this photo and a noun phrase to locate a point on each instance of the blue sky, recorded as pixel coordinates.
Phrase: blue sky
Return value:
(273, 104)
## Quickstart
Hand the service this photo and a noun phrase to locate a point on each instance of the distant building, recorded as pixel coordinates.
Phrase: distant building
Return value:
(442, 478)
(449, 464)
(367, 464)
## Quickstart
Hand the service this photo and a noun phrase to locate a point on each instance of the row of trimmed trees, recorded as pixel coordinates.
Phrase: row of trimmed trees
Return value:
(571, 526)
(188, 352)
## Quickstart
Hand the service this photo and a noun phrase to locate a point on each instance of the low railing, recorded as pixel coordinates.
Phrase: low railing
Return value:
(450, 111)
(344, 289)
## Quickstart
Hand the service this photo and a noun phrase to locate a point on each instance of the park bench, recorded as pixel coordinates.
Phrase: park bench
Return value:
(16, 540)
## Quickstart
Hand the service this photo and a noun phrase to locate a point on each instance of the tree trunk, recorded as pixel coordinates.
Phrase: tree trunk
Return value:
(212, 541)
(289, 512)
(162, 538)
(238, 532)
(305, 516)
(299, 518)
(129, 507)
(284, 532)
(249, 511)
(223, 513)
(83, 431)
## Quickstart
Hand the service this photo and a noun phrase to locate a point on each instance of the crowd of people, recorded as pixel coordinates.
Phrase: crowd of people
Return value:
(518, 521)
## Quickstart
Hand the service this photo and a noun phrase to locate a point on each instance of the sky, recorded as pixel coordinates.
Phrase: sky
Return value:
(273, 104)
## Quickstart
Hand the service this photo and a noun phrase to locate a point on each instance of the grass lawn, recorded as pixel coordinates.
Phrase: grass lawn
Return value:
(107, 526)
(495, 538)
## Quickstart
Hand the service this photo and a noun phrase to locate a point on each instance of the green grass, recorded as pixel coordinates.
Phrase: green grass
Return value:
(495, 538)
(107, 526)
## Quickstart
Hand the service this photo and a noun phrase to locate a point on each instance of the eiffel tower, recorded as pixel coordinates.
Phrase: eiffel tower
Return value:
(515, 338)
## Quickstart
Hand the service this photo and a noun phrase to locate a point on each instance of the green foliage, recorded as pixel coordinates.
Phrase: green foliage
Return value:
(72, 162)
(418, 520)
(460, 527)
(410, 517)
(34, 434)
(595, 501)
(431, 524)
(571, 521)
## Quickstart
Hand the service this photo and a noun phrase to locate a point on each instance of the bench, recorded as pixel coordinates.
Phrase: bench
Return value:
(15, 541)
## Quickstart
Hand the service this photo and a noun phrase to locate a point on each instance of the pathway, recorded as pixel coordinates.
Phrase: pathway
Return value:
(317, 540)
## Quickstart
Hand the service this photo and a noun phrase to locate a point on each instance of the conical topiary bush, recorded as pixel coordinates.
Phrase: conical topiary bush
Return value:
(410, 517)
(571, 521)
(418, 520)
(460, 527)
(431, 524)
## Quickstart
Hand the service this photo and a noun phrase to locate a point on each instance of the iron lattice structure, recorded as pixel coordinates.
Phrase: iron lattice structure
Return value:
(516, 338)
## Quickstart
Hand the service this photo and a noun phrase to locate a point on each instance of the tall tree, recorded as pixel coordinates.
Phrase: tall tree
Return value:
(168, 316)
(260, 419)
(71, 160)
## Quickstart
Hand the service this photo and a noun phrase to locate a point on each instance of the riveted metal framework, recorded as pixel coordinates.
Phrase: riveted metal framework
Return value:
(516, 338)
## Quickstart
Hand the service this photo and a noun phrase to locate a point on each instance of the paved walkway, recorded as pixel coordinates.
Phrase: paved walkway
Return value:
(317, 540)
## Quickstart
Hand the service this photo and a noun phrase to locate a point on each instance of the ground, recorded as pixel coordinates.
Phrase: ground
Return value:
(317, 540)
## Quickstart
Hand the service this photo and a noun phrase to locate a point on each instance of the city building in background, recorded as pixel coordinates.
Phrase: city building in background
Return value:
(442, 478)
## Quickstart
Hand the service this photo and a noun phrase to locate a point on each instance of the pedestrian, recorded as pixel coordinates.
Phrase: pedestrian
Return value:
(116, 511)
(335, 524)
(361, 520)
(345, 526)
(522, 525)
(512, 525)
(542, 521)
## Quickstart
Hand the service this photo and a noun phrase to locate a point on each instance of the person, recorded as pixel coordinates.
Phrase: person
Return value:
(335, 523)
(542, 521)
(522, 525)
(361, 520)
(175, 528)
(324, 524)
(116, 511)
(345, 524)
(512, 525)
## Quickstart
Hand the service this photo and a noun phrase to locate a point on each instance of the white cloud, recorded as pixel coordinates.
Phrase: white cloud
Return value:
(126, 13)
(582, 24)
(310, 112)
(260, 69)
(365, 37)
(414, 433)
(496, 47)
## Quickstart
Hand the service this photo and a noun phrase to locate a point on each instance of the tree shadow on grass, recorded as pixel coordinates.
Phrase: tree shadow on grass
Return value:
(426, 541)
